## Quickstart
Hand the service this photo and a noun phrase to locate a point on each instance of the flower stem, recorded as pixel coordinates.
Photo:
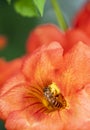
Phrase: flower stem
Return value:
(61, 21)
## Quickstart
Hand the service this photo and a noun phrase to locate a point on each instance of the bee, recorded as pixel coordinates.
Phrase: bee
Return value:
(53, 96)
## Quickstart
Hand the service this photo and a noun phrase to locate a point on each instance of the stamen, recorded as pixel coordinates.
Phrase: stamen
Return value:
(40, 110)
(29, 97)
(35, 103)
(38, 89)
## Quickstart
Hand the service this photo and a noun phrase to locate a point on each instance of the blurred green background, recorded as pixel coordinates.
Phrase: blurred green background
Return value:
(17, 28)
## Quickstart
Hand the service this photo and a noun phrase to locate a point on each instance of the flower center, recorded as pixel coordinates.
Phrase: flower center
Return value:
(52, 98)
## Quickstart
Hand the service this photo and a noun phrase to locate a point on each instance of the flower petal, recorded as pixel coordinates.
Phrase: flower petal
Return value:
(44, 34)
(82, 20)
(76, 117)
(73, 36)
(43, 63)
(11, 95)
(7, 69)
(24, 120)
(76, 69)
(78, 114)
(87, 89)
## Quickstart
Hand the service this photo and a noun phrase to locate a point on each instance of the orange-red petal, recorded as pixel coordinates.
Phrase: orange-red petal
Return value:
(11, 95)
(75, 72)
(25, 121)
(44, 61)
(44, 34)
(77, 116)
(9, 68)
(74, 36)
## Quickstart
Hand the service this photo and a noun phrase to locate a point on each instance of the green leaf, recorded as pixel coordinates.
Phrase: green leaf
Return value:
(26, 8)
(40, 5)
(9, 1)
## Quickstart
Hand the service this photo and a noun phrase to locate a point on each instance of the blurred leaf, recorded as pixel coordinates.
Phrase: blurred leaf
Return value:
(9, 1)
(2, 125)
(40, 5)
(26, 8)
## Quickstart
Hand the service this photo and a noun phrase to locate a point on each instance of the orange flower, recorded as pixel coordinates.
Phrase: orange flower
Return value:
(51, 91)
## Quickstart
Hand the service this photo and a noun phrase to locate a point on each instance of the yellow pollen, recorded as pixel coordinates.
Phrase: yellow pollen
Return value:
(54, 88)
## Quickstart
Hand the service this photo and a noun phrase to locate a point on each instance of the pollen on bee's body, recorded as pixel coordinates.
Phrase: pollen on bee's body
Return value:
(53, 99)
